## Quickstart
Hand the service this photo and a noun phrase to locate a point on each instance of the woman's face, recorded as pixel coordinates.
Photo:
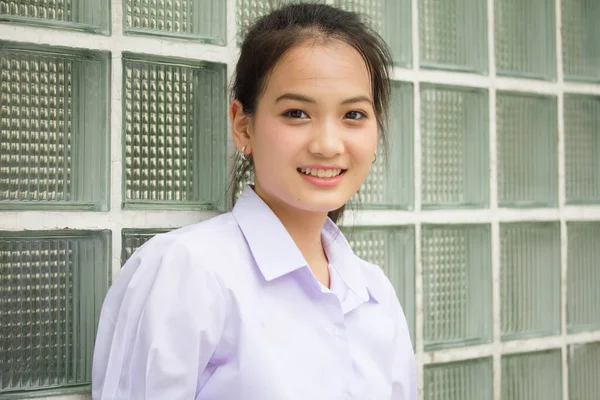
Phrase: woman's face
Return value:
(314, 132)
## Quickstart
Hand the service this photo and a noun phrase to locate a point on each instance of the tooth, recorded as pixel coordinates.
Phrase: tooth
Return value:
(331, 173)
(328, 173)
(321, 173)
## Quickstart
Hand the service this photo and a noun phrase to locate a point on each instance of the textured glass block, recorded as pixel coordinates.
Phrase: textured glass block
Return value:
(132, 239)
(584, 371)
(464, 380)
(583, 276)
(525, 38)
(175, 132)
(529, 279)
(453, 34)
(87, 15)
(454, 146)
(580, 44)
(392, 249)
(52, 284)
(457, 285)
(390, 184)
(54, 136)
(203, 20)
(527, 145)
(532, 376)
(582, 148)
(391, 19)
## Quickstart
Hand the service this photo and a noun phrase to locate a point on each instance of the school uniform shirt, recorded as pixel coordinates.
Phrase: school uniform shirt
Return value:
(229, 309)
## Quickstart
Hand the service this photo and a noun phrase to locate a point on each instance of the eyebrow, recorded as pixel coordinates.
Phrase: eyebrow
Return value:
(306, 99)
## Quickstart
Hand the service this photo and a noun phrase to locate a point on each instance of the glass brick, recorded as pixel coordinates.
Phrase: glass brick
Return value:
(390, 184)
(455, 147)
(584, 371)
(87, 15)
(132, 239)
(391, 19)
(52, 284)
(532, 376)
(582, 149)
(529, 279)
(457, 284)
(392, 249)
(54, 136)
(174, 134)
(453, 35)
(201, 20)
(580, 44)
(583, 276)
(525, 38)
(463, 380)
(527, 145)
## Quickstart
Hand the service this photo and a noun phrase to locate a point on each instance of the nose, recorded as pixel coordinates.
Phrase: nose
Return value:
(327, 140)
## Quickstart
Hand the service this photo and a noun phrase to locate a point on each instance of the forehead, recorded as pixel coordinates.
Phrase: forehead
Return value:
(332, 67)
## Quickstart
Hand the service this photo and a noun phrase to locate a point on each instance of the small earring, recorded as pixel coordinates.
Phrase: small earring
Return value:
(374, 157)
(243, 153)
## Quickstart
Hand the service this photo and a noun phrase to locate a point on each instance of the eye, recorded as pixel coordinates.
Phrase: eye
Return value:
(296, 114)
(355, 115)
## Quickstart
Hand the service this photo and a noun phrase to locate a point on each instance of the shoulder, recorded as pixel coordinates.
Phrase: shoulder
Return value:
(186, 258)
(199, 237)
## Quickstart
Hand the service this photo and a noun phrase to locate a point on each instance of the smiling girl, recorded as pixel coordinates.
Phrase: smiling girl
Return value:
(269, 302)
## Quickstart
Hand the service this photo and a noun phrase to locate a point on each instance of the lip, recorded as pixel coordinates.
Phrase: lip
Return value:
(323, 182)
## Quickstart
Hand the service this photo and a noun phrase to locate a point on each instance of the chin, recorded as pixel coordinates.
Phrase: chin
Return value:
(321, 202)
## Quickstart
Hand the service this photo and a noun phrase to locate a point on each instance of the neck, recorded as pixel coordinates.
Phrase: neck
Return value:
(305, 229)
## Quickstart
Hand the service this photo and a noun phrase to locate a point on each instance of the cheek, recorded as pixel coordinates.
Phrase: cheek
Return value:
(363, 144)
(273, 142)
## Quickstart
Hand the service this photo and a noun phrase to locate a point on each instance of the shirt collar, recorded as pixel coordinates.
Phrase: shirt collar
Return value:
(272, 247)
(348, 266)
(276, 253)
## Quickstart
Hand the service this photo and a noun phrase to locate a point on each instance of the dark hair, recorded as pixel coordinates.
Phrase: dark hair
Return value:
(272, 35)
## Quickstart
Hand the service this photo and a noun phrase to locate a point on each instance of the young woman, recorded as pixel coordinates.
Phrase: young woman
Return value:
(269, 302)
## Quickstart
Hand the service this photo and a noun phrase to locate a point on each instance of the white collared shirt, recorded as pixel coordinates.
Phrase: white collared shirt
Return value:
(229, 309)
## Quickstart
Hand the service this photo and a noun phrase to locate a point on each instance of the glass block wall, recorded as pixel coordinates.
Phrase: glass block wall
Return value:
(486, 216)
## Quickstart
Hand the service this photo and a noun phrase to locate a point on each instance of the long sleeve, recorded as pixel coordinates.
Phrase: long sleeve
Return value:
(404, 371)
(159, 326)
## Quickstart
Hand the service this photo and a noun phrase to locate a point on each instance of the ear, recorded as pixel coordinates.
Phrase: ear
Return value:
(240, 126)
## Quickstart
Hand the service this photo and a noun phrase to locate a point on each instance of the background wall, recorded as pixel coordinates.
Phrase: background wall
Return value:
(113, 128)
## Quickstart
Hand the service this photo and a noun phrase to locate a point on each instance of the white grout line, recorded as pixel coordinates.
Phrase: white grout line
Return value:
(116, 43)
(548, 342)
(486, 81)
(116, 156)
(562, 198)
(16, 220)
(499, 348)
(494, 211)
(419, 304)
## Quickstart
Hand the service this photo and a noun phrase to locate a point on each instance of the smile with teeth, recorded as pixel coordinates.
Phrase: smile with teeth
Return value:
(321, 173)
